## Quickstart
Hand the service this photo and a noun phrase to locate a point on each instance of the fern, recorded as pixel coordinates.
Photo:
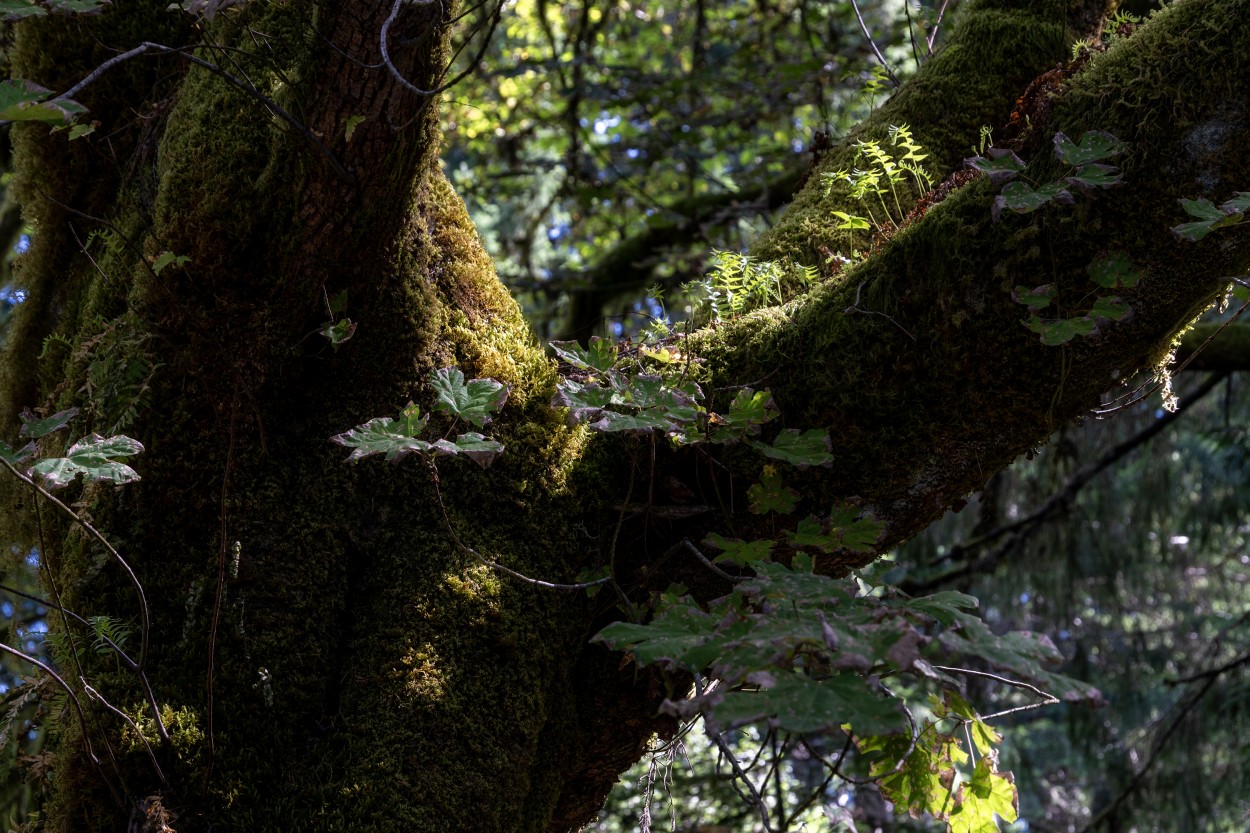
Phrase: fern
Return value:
(108, 629)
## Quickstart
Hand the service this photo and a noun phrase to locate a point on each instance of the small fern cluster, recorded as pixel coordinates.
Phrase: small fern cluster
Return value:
(736, 284)
(888, 169)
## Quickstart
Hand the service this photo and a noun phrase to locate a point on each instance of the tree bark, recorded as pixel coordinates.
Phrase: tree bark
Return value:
(360, 670)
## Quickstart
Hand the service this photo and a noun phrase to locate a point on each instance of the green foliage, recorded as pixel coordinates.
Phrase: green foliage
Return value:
(24, 101)
(735, 284)
(1089, 171)
(1210, 218)
(804, 653)
(167, 258)
(799, 448)
(91, 457)
(770, 494)
(108, 630)
(1086, 159)
(888, 169)
(475, 401)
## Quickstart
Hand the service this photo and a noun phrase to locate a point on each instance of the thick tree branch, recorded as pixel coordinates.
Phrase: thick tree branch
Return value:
(980, 387)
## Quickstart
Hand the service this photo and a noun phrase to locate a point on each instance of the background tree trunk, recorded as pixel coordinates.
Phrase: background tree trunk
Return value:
(359, 671)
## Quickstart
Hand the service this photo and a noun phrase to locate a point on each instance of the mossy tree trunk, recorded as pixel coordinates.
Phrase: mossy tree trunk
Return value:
(365, 673)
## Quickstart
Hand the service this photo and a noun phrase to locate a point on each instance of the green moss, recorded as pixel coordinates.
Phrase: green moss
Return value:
(992, 54)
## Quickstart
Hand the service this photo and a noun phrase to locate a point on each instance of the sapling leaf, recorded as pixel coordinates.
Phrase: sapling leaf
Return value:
(36, 428)
(1001, 166)
(21, 100)
(475, 401)
(21, 455)
(739, 551)
(798, 703)
(770, 494)
(643, 421)
(338, 332)
(1023, 198)
(411, 422)
(1089, 177)
(1239, 204)
(857, 534)
(90, 457)
(809, 448)
(166, 258)
(1057, 331)
(382, 435)
(1111, 307)
(1209, 219)
(11, 10)
(584, 401)
(1114, 271)
(851, 222)
(748, 410)
(1095, 146)
(985, 794)
(842, 530)
(945, 606)
(1037, 298)
(479, 449)
(599, 355)
(338, 304)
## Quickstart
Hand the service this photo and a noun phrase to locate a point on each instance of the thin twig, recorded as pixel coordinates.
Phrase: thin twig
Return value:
(82, 620)
(739, 773)
(82, 717)
(1017, 531)
(864, 28)
(707, 563)
(134, 580)
(151, 754)
(497, 566)
(855, 307)
(276, 109)
(933, 32)
(145, 623)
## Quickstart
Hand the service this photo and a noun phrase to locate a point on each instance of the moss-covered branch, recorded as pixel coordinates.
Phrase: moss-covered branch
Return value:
(918, 359)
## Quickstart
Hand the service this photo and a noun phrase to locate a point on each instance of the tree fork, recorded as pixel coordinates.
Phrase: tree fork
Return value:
(368, 675)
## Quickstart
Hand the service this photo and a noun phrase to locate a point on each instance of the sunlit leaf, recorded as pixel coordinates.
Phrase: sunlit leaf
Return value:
(748, 410)
(382, 435)
(166, 258)
(599, 355)
(479, 449)
(475, 401)
(339, 332)
(92, 458)
(584, 401)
